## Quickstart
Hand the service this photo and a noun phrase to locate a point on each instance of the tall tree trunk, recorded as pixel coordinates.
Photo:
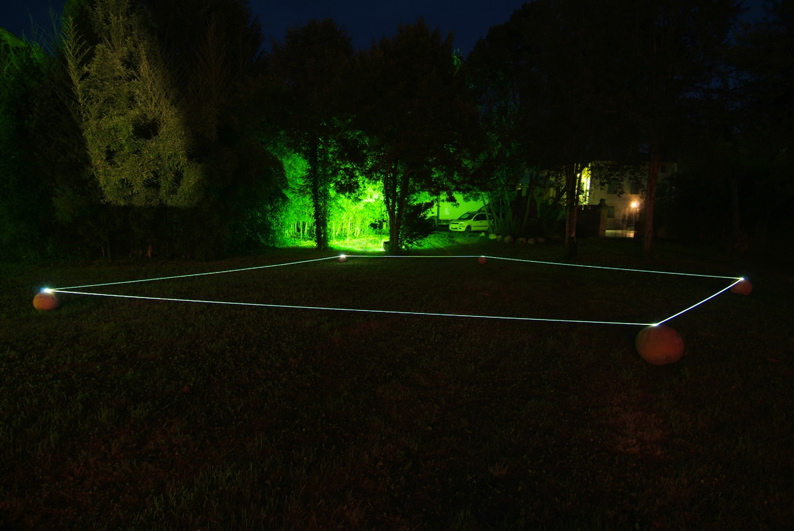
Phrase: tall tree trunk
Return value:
(529, 203)
(319, 197)
(650, 198)
(396, 198)
(390, 201)
(394, 233)
(571, 209)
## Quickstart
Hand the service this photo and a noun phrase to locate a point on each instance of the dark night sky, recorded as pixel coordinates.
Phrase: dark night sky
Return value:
(364, 20)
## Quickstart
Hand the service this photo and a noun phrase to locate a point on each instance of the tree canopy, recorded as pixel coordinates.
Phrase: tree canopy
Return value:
(162, 124)
(417, 117)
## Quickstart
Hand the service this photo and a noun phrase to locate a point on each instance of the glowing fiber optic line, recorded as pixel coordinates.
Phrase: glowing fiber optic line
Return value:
(360, 310)
(612, 268)
(699, 303)
(195, 274)
(412, 256)
(395, 312)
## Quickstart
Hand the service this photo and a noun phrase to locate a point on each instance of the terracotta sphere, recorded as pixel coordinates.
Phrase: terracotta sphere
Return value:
(742, 288)
(45, 301)
(659, 345)
(481, 259)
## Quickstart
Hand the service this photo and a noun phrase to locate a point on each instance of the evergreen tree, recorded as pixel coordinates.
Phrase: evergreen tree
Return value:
(135, 135)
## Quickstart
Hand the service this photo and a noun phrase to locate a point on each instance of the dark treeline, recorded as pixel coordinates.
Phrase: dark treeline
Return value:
(161, 127)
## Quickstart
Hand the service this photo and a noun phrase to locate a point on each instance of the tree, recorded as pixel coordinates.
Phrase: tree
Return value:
(135, 135)
(673, 49)
(164, 93)
(22, 71)
(597, 80)
(312, 70)
(417, 117)
(760, 138)
(494, 71)
(549, 70)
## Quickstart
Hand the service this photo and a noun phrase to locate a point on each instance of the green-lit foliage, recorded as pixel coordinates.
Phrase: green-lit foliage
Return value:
(416, 225)
(355, 215)
(417, 118)
(310, 70)
(297, 220)
(358, 220)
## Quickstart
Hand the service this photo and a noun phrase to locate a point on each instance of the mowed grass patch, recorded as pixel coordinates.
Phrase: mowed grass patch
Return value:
(119, 413)
(456, 285)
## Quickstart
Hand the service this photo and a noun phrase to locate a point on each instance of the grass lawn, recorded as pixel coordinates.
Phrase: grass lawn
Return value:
(136, 414)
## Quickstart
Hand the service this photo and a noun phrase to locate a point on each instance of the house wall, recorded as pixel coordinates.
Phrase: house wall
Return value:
(622, 212)
(591, 221)
(445, 211)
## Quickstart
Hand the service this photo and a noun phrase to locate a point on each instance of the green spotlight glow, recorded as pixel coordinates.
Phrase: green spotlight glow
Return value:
(371, 244)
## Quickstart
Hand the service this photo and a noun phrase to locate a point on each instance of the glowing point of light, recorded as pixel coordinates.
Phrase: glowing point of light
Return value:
(635, 204)
(47, 290)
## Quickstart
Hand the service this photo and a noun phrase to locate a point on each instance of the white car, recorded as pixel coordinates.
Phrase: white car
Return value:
(471, 221)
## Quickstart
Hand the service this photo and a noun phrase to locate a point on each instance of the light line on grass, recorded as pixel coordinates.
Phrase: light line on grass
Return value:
(195, 274)
(342, 258)
(612, 268)
(360, 310)
(413, 256)
(723, 290)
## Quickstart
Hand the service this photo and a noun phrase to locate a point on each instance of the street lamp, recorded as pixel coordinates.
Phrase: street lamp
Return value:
(635, 205)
